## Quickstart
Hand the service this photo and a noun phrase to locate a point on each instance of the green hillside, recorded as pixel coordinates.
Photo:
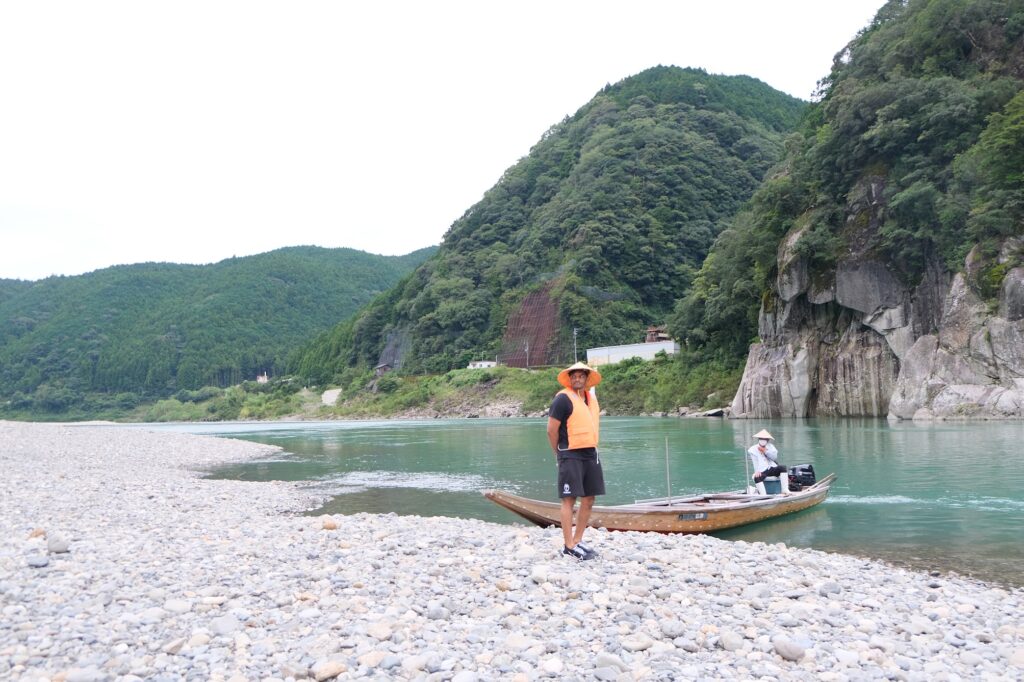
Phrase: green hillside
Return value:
(914, 154)
(600, 228)
(9, 288)
(133, 332)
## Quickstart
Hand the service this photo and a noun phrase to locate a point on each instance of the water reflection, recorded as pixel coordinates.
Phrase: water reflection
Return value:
(802, 529)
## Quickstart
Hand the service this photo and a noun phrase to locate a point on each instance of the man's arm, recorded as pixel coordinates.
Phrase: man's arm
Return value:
(553, 425)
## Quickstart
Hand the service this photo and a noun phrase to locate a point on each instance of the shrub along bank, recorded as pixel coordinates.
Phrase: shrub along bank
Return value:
(631, 387)
(248, 400)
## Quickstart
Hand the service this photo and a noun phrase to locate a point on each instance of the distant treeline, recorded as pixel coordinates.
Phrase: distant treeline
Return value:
(129, 333)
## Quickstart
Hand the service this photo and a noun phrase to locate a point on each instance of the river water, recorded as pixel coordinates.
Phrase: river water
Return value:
(942, 496)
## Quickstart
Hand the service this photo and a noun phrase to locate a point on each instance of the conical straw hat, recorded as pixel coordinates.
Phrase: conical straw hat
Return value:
(763, 434)
(593, 378)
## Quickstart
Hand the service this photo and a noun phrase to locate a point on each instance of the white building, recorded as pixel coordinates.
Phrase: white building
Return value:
(645, 351)
(482, 364)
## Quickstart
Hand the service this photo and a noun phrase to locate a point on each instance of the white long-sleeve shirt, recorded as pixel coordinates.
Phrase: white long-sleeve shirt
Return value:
(763, 460)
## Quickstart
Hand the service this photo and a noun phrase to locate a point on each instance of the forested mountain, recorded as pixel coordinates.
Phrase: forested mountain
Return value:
(599, 229)
(148, 330)
(914, 154)
(880, 267)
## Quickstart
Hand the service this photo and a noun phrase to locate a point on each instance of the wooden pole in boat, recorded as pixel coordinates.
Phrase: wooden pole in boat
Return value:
(668, 480)
(746, 474)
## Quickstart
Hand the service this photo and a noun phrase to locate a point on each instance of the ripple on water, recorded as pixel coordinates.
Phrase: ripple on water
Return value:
(872, 499)
(359, 481)
(993, 504)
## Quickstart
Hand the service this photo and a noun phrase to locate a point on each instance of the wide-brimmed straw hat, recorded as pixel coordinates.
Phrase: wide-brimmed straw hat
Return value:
(763, 434)
(593, 376)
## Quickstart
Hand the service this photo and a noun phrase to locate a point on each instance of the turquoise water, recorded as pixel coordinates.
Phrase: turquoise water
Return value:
(936, 496)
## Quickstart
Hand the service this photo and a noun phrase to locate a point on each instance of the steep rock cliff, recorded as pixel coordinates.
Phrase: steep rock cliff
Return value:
(862, 343)
(973, 366)
(914, 155)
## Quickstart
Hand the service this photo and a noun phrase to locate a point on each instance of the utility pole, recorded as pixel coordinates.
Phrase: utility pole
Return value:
(574, 358)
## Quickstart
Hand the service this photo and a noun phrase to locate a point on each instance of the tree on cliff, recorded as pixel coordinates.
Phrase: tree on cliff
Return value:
(911, 156)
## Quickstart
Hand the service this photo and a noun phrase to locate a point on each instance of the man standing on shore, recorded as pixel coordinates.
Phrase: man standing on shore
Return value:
(573, 423)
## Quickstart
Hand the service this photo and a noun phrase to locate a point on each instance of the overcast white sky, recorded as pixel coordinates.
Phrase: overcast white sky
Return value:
(191, 132)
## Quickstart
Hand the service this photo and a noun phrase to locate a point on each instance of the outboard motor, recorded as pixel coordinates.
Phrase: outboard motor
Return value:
(801, 476)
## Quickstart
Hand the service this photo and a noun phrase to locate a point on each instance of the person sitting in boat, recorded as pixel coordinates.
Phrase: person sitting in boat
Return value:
(765, 459)
(573, 422)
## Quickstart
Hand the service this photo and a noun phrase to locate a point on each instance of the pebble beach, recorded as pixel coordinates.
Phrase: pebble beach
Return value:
(120, 561)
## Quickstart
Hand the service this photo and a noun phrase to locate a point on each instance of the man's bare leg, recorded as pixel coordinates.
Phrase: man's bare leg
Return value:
(567, 504)
(582, 518)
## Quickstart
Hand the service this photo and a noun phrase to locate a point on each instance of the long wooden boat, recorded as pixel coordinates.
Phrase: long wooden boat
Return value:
(695, 514)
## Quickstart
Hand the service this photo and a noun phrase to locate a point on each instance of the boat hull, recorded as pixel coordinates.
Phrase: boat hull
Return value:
(704, 515)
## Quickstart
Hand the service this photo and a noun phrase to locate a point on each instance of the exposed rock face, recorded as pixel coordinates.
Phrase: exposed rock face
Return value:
(1011, 303)
(973, 366)
(816, 360)
(855, 376)
(865, 344)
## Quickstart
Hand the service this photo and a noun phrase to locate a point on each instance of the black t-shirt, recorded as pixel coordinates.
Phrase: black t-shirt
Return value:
(561, 408)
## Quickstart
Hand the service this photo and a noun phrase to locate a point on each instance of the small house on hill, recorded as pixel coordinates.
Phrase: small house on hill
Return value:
(656, 335)
(657, 341)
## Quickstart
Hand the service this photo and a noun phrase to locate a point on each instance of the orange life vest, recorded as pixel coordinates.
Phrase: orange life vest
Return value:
(582, 424)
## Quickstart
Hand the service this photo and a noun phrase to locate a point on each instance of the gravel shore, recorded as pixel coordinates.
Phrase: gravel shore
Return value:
(118, 561)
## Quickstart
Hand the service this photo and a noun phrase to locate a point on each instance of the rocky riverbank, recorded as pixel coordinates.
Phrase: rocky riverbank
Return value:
(119, 562)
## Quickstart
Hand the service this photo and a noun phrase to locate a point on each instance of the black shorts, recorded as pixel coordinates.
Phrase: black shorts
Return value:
(580, 477)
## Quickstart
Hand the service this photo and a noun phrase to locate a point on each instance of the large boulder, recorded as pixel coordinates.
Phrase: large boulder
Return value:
(912, 390)
(868, 286)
